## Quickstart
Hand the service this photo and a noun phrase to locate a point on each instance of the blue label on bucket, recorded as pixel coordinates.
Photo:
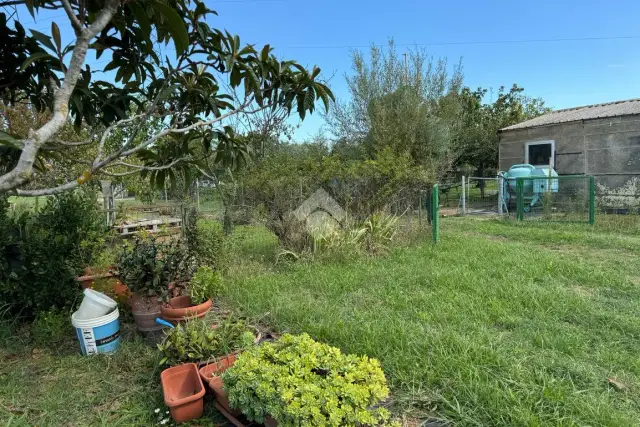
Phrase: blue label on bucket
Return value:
(100, 339)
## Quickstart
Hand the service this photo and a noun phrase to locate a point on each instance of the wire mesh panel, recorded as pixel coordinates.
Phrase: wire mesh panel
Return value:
(306, 214)
(563, 198)
(482, 195)
(618, 202)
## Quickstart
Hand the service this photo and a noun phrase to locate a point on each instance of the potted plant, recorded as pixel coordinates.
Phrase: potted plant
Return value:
(151, 270)
(204, 284)
(196, 341)
(298, 381)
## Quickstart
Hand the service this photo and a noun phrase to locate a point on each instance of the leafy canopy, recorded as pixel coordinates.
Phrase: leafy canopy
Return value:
(188, 92)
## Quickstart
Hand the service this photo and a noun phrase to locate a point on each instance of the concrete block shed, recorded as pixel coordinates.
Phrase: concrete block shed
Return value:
(602, 140)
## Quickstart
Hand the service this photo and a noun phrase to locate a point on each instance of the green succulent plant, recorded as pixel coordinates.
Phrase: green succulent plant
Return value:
(301, 382)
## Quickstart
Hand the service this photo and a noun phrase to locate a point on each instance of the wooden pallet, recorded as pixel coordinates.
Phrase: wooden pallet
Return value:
(150, 226)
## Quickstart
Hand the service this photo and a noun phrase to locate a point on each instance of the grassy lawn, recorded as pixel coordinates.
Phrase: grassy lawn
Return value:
(499, 325)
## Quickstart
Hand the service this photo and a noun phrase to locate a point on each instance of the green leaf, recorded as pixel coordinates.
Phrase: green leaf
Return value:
(43, 39)
(141, 18)
(8, 140)
(309, 99)
(29, 4)
(265, 53)
(111, 66)
(301, 101)
(176, 26)
(235, 77)
(323, 95)
(35, 57)
(55, 31)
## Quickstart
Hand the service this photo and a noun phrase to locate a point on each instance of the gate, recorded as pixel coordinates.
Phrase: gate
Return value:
(482, 196)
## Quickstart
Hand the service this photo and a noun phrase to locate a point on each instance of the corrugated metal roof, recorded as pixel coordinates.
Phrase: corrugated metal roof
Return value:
(597, 111)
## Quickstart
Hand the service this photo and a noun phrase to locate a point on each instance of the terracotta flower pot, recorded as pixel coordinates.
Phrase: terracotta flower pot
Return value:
(183, 392)
(145, 310)
(222, 397)
(105, 281)
(181, 308)
(270, 422)
(210, 374)
(216, 368)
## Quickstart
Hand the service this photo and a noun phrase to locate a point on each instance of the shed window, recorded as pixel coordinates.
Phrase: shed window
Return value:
(539, 153)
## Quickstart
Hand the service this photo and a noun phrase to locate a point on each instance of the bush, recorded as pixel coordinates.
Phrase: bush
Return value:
(148, 267)
(206, 241)
(196, 341)
(299, 381)
(205, 284)
(44, 252)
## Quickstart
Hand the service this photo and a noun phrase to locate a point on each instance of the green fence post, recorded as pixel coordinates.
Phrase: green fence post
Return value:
(520, 199)
(435, 213)
(592, 200)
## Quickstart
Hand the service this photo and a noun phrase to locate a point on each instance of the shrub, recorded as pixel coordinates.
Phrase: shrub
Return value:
(206, 241)
(196, 341)
(206, 283)
(299, 381)
(148, 268)
(46, 250)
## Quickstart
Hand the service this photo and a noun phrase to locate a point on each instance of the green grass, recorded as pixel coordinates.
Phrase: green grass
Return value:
(501, 324)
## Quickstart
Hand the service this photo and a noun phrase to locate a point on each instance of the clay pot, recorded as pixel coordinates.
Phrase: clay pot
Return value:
(112, 286)
(145, 310)
(183, 392)
(210, 374)
(270, 422)
(216, 368)
(181, 308)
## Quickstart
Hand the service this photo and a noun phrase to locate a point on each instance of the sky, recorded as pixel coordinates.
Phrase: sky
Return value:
(500, 42)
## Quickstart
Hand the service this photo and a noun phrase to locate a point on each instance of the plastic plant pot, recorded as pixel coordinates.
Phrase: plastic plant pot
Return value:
(181, 309)
(183, 392)
(95, 304)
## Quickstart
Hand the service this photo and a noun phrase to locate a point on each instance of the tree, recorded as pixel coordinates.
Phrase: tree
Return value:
(401, 106)
(185, 93)
(477, 140)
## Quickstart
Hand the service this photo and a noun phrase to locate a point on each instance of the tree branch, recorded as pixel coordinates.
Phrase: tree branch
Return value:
(48, 191)
(77, 26)
(71, 143)
(23, 171)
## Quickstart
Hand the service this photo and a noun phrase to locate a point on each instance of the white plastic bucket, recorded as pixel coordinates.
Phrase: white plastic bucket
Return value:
(100, 335)
(95, 304)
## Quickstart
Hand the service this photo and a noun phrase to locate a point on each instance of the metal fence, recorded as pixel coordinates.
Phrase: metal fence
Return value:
(569, 198)
(275, 210)
(618, 201)
(480, 195)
